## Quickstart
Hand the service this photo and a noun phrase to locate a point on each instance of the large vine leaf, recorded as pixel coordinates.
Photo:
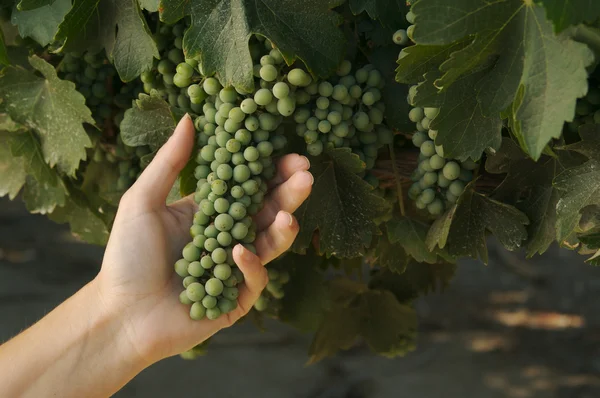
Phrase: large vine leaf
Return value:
(115, 25)
(390, 255)
(387, 326)
(541, 73)
(12, 168)
(565, 13)
(580, 187)
(389, 12)
(418, 279)
(463, 227)
(464, 130)
(578, 184)
(220, 31)
(44, 190)
(342, 207)
(306, 298)
(419, 60)
(150, 121)
(41, 24)
(84, 223)
(25, 5)
(53, 108)
(528, 186)
(411, 236)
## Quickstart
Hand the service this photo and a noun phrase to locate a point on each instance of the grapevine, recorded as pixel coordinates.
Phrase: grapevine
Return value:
(429, 127)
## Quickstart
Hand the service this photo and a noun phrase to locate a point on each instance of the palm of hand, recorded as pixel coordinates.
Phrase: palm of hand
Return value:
(137, 277)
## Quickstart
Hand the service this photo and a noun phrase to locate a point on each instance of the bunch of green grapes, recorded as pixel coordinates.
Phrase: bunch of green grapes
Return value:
(238, 134)
(438, 181)
(95, 78)
(587, 110)
(345, 111)
(274, 291)
(174, 77)
(130, 160)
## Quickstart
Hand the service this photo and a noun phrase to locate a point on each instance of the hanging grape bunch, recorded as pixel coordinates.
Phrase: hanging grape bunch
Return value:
(438, 181)
(345, 111)
(95, 78)
(238, 133)
(274, 291)
(173, 73)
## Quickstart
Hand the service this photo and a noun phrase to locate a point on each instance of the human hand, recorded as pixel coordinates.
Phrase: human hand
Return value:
(137, 280)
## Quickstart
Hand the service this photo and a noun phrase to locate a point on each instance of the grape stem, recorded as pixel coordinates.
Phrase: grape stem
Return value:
(397, 179)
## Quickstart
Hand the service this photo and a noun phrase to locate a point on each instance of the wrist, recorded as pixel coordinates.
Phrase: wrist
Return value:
(113, 320)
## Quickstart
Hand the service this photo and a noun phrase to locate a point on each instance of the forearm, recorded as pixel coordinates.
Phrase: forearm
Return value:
(78, 350)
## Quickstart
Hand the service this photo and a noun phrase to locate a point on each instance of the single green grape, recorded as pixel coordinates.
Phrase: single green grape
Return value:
(222, 271)
(195, 291)
(214, 287)
(197, 311)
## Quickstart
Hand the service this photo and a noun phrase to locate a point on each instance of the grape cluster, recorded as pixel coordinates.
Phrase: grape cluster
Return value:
(345, 111)
(174, 77)
(238, 134)
(274, 291)
(95, 78)
(438, 181)
(130, 160)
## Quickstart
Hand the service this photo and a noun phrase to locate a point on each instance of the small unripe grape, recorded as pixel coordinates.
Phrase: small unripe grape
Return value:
(451, 170)
(416, 115)
(214, 287)
(400, 37)
(195, 292)
(211, 86)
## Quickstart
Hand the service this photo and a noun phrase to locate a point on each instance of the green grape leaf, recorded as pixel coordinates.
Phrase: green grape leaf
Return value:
(151, 121)
(41, 24)
(12, 168)
(389, 12)
(540, 73)
(417, 280)
(564, 13)
(338, 331)
(25, 5)
(44, 190)
(220, 30)
(3, 53)
(580, 187)
(115, 25)
(78, 24)
(306, 296)
(390, 255)
(150, 5)
(528, 186)
(387, 326)
(53, 108)
(463, 227)
(85, 224)
(419, 60)
(464, 130)
(187, 180)
(342, 206)
(43, 197)
(411, 235)
(133, 50)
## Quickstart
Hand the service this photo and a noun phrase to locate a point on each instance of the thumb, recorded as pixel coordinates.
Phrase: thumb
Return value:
(155, 183)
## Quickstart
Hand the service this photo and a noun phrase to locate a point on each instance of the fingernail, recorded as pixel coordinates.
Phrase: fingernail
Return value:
(241, 251)
(187, 116)
(312, 177)
(307, 162)
(291, 218)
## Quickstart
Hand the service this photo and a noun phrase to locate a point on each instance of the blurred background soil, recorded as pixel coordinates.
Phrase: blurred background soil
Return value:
(514, 328)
